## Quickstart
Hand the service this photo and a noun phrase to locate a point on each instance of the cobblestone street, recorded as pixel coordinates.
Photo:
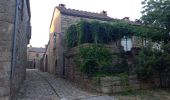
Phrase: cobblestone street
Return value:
(43, 86)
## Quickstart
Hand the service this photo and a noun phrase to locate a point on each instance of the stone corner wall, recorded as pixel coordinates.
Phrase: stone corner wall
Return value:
(11, 78)
(22, 38)
(7, 13)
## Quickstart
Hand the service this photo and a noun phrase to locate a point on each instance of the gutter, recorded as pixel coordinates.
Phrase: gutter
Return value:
(13, 57)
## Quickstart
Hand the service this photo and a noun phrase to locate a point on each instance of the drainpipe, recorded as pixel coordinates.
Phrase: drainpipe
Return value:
(13, 57)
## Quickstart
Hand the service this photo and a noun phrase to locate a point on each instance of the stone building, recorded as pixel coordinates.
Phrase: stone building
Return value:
(44, 62)
(15, 33)
(34, 55)
(61, 20)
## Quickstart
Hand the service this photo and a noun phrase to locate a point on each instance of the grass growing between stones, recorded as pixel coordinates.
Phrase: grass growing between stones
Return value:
(151, 94)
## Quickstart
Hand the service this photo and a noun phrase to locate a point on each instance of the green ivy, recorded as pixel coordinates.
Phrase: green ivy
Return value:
(96, 32)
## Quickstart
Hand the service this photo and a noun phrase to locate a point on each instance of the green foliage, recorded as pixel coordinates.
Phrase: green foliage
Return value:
(145, 63)
(157, 13)
(152, 61)
(93, 58)
(96, 60)
(121, 66)
(72, 36)
(96, 32)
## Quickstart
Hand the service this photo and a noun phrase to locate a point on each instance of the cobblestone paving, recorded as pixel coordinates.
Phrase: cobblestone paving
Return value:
(35, 88)
(43, 86)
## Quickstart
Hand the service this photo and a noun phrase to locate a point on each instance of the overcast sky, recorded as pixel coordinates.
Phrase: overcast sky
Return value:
(42, 11)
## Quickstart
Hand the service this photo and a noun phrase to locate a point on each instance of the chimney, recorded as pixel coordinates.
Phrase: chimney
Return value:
(104, 12)
(61, 5)
(126, 19)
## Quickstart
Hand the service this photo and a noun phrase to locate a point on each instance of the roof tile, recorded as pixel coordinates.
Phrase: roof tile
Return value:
(80, 13)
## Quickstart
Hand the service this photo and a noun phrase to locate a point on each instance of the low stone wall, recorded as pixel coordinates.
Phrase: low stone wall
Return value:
(107, 85)
(115, 84)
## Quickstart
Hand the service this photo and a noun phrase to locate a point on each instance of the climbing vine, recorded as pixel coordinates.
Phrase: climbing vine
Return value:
(97, 32)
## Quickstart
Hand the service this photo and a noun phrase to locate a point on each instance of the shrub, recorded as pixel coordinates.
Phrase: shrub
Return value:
(93, 58)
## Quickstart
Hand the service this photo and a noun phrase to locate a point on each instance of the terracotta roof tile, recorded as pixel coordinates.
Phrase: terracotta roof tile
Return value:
(85, 14)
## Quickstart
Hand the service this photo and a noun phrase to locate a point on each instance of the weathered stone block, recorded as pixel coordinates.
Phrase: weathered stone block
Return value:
(5, 46)
(5, 56)
(4, 82)
(5, 74)
(106, 79)
(106, 89)
(4, 91)
(6, 30)
(7, 17)
(135, 86)
(117, 89)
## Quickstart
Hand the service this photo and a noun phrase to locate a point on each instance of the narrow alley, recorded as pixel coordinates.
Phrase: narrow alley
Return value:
(43, 86)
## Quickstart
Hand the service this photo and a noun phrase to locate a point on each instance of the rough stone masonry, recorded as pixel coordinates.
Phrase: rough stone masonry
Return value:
(15, 32)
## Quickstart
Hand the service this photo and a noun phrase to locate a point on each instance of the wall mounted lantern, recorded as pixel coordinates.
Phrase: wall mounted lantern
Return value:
(54, 40)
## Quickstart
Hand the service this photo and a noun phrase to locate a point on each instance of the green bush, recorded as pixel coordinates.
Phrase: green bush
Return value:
(97, 60)
(93, 58)
(152, 62)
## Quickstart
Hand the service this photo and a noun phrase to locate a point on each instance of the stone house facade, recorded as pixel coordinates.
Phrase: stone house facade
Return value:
(15, 33)
(34, 55)
(61, 20)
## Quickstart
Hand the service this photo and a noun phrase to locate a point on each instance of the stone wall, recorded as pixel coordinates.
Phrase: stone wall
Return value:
(72, 72)
(111, 85)
(12, 77)
(107, 85)
(19, 69)
(7, 13)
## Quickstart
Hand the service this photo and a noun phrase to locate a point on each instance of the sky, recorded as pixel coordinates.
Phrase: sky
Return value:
(42, 11)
